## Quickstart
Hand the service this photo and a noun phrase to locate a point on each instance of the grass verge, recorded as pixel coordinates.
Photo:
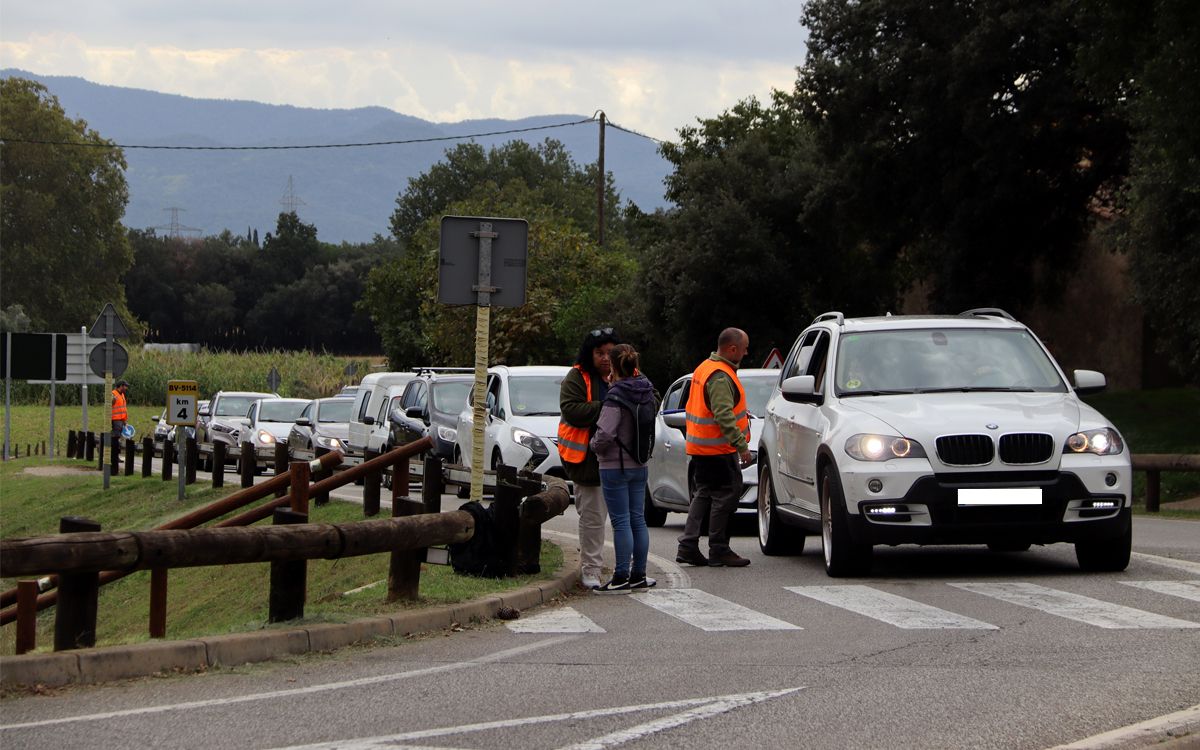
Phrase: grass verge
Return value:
(207, 600)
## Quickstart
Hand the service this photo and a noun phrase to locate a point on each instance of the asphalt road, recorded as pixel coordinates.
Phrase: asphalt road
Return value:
(940, 647)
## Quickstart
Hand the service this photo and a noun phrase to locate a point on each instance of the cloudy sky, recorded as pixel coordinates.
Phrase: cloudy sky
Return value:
(651, 65)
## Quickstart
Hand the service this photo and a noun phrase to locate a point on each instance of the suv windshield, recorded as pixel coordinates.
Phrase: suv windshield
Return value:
(953, 359)
(235, 406)
(535, 395)
(337, 410)
(449, 397)
(280, 411)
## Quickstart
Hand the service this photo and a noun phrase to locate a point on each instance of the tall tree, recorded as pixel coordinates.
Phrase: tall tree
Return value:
(64, 249)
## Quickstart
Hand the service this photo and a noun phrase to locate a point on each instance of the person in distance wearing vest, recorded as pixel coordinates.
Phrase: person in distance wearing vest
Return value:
(120, 415)
(580, 397)
(626, 417)
(718, 446)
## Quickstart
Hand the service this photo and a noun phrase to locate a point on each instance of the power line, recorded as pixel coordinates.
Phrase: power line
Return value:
(6, 139)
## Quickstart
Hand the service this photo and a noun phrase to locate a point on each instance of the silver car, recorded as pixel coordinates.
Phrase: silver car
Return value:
(324, 424)
(669, 481)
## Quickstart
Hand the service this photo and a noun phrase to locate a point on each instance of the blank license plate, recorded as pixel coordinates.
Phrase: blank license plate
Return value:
(1006, 496)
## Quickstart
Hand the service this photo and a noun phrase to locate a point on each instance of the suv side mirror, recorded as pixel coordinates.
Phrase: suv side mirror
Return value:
(1089, 381)
(676, 418)
(415, 412)
(368, 420)
(801, 389)
(304, 422)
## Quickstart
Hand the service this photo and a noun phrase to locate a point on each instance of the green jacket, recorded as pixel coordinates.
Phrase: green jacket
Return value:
(721, 395)
(577, 411)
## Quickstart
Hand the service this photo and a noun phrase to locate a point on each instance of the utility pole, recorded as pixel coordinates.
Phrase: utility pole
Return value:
(600, 187)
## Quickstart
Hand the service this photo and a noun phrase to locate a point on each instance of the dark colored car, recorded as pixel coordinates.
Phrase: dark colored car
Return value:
(430, 406)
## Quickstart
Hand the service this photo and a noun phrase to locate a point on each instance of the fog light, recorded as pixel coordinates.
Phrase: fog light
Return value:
(1104, 504)
(883, 510)
(875, 485)
(1110, 479)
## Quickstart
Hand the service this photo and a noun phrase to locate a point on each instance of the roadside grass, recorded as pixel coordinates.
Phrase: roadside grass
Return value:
(30, 424)
(216, 599)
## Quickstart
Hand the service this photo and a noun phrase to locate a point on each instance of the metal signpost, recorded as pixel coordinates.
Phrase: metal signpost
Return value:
(273, 379)
(108, 326)
(482, 262)
(183, 396)
(35, 358)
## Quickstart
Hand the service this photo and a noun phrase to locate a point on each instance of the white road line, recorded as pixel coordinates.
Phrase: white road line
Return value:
(889, 608)
(275, 694)
(708, 612)
(1168, 562)
(558, 620)
(1074, 606)
(1185, 589)
(696, 708)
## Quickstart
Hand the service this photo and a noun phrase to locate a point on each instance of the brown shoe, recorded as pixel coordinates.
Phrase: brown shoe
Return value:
(727, 559)
(689, 556)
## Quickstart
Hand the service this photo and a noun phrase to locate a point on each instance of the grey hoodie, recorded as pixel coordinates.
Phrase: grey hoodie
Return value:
(616, 422)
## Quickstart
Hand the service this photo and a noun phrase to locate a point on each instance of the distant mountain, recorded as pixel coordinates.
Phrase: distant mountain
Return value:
(347, 193)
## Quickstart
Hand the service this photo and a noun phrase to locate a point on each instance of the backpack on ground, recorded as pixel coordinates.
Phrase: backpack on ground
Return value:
(479, 555)
(643, 429)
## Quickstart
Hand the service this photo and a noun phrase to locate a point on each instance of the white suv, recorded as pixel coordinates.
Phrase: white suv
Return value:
(522, 420)
(938, 430)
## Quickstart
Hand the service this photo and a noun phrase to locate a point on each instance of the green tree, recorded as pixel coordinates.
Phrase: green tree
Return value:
(958, 140)
(64, 249)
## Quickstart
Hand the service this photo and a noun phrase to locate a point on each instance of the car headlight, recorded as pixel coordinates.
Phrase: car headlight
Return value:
(529, 440)
(870, 447)
(331, 443)
(265, 437)
(448, 434)
(1102, 442)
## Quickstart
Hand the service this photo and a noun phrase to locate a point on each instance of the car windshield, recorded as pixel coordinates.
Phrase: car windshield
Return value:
(337, 410)
(535, 395)
(234, 406)
(952, 359)
(448, 398)
(280, 411)
(758, 391)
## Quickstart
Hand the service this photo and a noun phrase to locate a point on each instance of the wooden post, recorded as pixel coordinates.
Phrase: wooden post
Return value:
(147, 457)
(130, 456)
(247, 462)
(218, 465)
(299, 473)
(90, 447)
(321, 498)
(282, 459)
(80, 445)
(507, 510)
(536, 510)
(158, 603)
(71, 442)
(404, 567)
(191, 458)
(114, 451)
(289, 580)
(27, 593)
(371, 484)
(168, 460)
(78, 598)
(1153, 490)
(432, 484)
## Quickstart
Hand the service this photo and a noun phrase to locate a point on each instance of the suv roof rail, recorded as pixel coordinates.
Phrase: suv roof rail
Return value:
(986, 311)
(830, 316)
(423, 370)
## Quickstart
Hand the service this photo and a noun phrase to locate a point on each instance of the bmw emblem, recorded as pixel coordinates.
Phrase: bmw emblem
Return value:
(992, 426)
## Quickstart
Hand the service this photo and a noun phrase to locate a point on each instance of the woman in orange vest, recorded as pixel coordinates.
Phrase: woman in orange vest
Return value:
(580, 398)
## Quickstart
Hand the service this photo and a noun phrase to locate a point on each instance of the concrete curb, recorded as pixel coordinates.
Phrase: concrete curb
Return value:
(89, 666)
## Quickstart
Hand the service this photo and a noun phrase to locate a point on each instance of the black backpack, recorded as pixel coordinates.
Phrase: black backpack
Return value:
(478, 556)
(643, 429)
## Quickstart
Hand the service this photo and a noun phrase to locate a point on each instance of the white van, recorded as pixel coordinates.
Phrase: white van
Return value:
(370, 403)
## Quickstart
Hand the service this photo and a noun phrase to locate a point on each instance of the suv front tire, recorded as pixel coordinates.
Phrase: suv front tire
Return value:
(844, 557)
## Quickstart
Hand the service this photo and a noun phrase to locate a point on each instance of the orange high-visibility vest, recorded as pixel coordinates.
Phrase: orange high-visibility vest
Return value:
(572, 440)
(704, 436)
(119, 411)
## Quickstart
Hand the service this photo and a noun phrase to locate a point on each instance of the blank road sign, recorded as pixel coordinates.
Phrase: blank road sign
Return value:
(458, 268)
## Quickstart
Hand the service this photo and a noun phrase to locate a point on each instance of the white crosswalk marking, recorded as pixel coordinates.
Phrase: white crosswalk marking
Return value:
(1185, 589)
(1074, 606)
(559, 620)
(709, 613)
(889, 608)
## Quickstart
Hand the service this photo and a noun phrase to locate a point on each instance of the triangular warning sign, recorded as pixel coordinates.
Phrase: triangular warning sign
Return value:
(109, 324)
(774, 360)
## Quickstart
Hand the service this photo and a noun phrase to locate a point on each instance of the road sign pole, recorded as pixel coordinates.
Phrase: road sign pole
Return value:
(7, 393)
(83, 391)
(483, 318)
(53, 379)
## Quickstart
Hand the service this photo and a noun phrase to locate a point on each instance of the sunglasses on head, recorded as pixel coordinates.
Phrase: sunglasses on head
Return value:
(601, 332)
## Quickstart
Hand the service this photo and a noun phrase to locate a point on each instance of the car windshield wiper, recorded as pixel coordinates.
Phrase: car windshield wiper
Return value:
(877, 392)
(977, 389)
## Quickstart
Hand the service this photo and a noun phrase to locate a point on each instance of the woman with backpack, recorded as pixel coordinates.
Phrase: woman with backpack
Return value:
(622, 444)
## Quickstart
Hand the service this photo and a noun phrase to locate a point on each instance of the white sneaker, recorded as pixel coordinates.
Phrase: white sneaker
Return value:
(589, 581)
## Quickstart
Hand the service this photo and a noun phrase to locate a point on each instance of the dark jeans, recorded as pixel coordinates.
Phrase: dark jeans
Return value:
(718, 489)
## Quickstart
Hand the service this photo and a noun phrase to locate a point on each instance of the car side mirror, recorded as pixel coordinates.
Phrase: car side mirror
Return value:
(676, 418)
(245, 421)
(801, 389)
(304, 422)
(1089, 381)
(414, 412)
(368, 420)
(204, 412)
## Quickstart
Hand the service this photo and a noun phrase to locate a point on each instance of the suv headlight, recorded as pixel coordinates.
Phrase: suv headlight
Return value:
(265, 437)
(528, 439)
(1102, 442)
(870, 447)
(328, 442)
(448, 434)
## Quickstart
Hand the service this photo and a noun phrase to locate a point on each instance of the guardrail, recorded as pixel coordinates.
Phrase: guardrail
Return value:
(1156, 463)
